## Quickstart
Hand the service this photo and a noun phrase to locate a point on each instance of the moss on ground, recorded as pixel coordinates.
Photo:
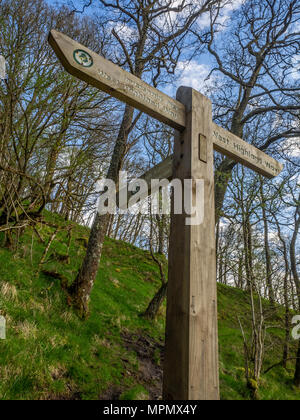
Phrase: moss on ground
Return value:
(50, 353)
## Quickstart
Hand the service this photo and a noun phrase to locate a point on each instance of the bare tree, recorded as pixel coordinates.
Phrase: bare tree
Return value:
(256, 96)
(264, 199)
(296, 277)
(158, 31)
(286, 292)
(37, 133)
(156, 302)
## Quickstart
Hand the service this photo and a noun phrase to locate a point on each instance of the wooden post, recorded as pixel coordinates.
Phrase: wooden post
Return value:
(191, 359)
(90, 67)
(191, 354)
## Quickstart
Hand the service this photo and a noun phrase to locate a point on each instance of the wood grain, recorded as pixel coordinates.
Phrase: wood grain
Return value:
(191, 354)
(164, 170)
(122, 85)
(118, 83)
(240, 151)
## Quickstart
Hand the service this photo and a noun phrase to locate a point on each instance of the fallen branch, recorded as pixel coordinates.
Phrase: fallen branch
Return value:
(14, 227)
(280, 364)
(54, 274)
(43, 259)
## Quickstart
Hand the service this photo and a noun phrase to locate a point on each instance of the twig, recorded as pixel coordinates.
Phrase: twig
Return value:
(280, 364)
(14, 227)
(47, 249)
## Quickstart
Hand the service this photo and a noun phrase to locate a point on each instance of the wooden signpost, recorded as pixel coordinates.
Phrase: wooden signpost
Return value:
(191, 354)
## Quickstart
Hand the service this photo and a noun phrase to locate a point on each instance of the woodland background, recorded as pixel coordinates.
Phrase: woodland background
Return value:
(59, 137)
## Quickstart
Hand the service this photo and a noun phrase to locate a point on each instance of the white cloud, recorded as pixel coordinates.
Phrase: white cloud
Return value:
(296, 67)
(124, 31)
(292, 147)
(166, 20)
(235, 4)
(204, 21)
(194, 75)
(225, 15)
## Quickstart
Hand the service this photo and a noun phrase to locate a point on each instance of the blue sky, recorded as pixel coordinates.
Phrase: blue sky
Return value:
(189, 73)
(192, 73)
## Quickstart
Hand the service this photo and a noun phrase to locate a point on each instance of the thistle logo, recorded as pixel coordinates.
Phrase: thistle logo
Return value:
(83, 58)
(296, 330)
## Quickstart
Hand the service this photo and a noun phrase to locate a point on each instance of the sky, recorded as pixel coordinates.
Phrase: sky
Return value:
(189, 73)
(194, 73)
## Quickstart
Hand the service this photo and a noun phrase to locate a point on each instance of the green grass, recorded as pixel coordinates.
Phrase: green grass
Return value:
(50, 353)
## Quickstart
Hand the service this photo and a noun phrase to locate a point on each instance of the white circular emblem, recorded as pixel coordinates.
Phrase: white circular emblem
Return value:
(83, 58)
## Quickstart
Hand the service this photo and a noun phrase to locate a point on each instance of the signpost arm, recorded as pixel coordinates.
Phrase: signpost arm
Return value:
(191, 358)
(106, 76)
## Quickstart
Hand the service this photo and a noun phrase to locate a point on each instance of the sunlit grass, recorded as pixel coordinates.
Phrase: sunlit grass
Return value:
(50, 353)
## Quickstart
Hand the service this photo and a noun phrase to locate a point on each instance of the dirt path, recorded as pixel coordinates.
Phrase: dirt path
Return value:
(150, 357)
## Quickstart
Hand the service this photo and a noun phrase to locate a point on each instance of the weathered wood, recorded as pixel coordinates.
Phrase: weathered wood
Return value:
(226, 143)
(118, 83)
(191, 354)
(191, 359)
(164, 170)
(240, 151)
(232, 146)
(122, 85)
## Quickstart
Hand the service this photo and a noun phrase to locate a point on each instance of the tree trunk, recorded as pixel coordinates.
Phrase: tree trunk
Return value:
(161, 233)
(137, 229)
(225, 272)
(222, 179)
(220, 268)
(109, 230)
(286, 297)
(267, 247)
(43, 259)
(240, 273)
(247, 237)
(155, 304)
(296, 280)
(81, 288)
(286, 322)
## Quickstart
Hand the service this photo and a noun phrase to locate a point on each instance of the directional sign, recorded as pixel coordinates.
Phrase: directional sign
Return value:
(106, 76)
(163, 170)
(191, 350)
(110, 78)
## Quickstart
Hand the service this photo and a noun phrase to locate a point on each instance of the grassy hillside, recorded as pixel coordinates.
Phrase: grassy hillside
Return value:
(50, 353)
